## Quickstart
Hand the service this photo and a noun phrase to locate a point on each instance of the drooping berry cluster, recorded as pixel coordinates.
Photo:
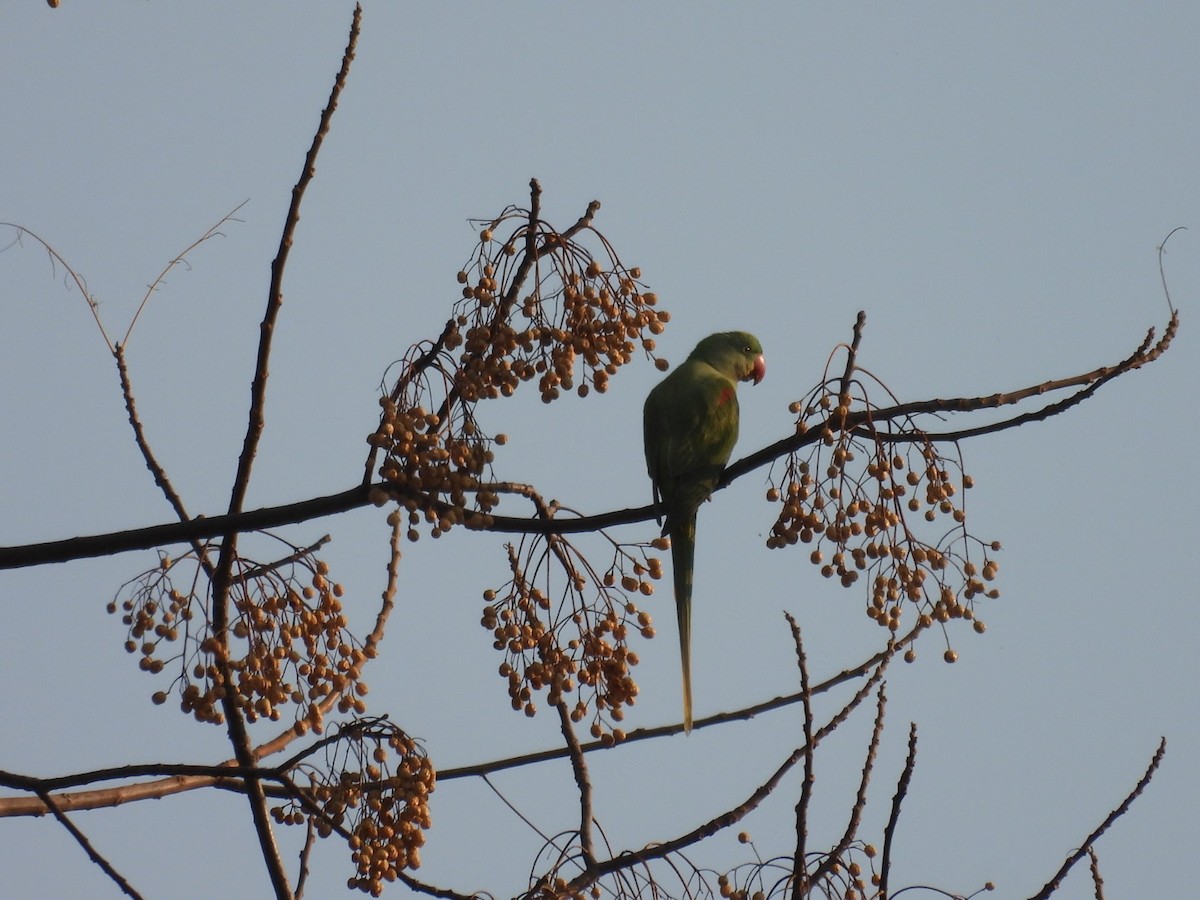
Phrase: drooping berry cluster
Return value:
(374, 788)
(868, 502)
(535, 305)
(286, 643)
(435, 463)
(574, 641)
(536, 302)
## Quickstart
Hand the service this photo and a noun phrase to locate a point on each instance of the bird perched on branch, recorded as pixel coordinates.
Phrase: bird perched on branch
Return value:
(690, 424)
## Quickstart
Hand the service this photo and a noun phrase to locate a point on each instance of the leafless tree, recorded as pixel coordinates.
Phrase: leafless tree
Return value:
(870, 484)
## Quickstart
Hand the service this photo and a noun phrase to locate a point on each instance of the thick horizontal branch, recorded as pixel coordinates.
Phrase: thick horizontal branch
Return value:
(867, 422)
(205, 528)
(29, 783)
(198, 529)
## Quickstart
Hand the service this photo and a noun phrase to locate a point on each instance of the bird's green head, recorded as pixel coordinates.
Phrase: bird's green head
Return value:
(736, 353)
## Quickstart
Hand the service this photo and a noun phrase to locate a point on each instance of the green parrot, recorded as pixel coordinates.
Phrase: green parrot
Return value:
(690, 424)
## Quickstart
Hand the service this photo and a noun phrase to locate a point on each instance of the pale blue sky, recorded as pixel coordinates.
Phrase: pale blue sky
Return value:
(988, 182)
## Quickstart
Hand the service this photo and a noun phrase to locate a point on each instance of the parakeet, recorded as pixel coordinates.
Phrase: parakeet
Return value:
(690, 424)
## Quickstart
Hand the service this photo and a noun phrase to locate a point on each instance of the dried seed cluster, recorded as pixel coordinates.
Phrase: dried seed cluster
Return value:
(435, 464)
(286, 643)
(533, 306)
(379, 796)
(537, 302)
(577, 643)
(864, 519)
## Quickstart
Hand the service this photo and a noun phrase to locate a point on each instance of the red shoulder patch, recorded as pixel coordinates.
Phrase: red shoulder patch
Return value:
(726, 395)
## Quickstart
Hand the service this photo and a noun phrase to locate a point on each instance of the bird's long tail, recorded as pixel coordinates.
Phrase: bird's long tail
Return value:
(683, 556)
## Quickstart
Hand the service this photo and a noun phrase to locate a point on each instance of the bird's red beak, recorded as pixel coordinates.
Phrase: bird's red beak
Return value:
(759, 372)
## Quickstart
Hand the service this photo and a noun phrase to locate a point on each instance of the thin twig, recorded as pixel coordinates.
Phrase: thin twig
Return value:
(1097, 881)
(1053, 884)
(851, 360)
(76, 278)
(1162, 250)
(877, 661)
(180, 258)
(894, 816)
(516, 812)
(152, 463)
(310, 839)
(388, 597)
(296, 555)
(579, 769)
(860, 800)
(174, 778)
(864, 422)
(800, 880)
(728, 818)
(432, 890)
(82, 840)
(889, 830)
(139, 435)
(506, 303)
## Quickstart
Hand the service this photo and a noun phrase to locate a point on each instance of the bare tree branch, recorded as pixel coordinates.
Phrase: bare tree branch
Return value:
(731, 817)
(1162, 251)
(197, 529)
(222, 576)
(579, 768)
(362, 495)
(800, 882)
(56, 259)
(139, 436)
(877, 662)
(93, 854)
(834, 857)
(1097, 881)
(1054, 883)
(152, 463)
(889, 830)
(180, 259)
(310, 839)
